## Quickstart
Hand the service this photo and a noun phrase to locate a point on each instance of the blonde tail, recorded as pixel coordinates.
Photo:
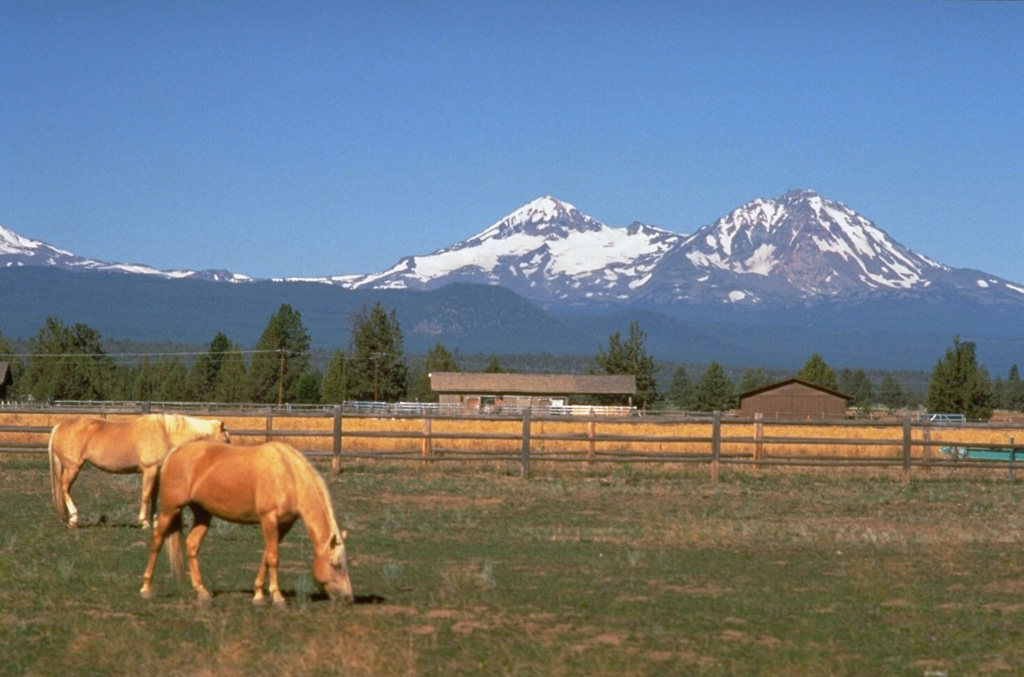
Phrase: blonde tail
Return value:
(175, 551)
(56, 472)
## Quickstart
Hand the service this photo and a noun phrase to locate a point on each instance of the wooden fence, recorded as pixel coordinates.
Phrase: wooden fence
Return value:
(529, 437)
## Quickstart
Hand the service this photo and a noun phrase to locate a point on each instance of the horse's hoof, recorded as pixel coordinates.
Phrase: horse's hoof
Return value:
(146, 593)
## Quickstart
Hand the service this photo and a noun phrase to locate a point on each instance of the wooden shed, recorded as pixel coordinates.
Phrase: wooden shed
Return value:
(6, 379)
(481, 391)
(794, 399)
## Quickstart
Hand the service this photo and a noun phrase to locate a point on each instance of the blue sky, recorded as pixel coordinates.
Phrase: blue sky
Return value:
(312, 139)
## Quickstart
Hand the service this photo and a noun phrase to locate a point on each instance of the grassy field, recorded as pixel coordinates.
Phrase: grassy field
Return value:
(610, 570)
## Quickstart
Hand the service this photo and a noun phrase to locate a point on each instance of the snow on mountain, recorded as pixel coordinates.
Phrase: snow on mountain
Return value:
(17, 251)
(819, 246)
(799, 245)
(546, 249)
(795, 248)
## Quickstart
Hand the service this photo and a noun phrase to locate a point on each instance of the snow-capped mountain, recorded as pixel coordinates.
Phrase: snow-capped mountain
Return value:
(797, 247)
(546, 250)
(802, 247)
(18, 251)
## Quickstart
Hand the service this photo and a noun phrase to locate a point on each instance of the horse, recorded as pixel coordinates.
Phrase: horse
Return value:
(138, 445)
(272, 485)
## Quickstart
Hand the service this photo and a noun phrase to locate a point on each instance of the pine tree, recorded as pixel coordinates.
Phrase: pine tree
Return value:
(199, 383)
(1014, 390)
(67, 363)
(377, 369)
(714, 391)
(13, 362)
(219, 347)
(857, 386)
(752, 379)
(630, 357)
(144, 381)
(307, 391)
(172, 376)
(333, 389)
(890, 393)
(817, 371)
(281, 357)
(958, 385)
(202, 377)
(438, 358)
(681, 390)
(231, 385)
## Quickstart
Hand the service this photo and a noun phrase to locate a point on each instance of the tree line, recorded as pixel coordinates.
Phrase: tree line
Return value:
(69, 363)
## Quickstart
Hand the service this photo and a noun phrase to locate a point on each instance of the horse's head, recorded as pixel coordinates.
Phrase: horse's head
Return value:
(331, 570)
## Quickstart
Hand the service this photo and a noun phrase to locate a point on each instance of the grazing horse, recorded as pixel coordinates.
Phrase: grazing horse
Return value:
(135, 446)
(272, 485)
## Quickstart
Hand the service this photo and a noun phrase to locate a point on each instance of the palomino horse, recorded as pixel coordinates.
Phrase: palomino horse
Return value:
(135, 446)
(272, 485)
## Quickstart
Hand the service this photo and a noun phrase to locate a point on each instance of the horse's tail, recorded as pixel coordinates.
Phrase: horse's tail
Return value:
(56, 472)
(172, 537)
(175, 551)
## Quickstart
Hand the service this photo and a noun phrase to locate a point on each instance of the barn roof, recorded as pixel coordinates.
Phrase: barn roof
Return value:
(791, 381)
(551, 384)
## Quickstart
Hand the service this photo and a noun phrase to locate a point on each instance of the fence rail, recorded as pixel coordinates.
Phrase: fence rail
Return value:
(357, 432)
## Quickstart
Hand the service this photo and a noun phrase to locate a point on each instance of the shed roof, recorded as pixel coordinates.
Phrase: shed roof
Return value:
(551, 384)
(791, 381)
(5, 374)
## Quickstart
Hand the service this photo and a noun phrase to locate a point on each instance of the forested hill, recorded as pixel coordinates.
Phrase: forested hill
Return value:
(480, 319)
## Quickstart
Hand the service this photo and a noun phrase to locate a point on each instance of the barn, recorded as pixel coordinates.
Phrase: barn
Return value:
(476, 391)
(794, 399)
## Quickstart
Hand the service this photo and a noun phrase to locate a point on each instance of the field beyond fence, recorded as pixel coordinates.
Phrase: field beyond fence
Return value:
(526, 438)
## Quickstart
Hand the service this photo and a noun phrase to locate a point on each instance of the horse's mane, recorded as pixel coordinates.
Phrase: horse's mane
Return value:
(318, 483)
(179, 426)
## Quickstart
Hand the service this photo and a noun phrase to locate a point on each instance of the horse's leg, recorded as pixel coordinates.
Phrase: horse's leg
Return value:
(156, 542)
(282, 531)
(201, 524)
(67, 478)
(148, 478)
(270, 561)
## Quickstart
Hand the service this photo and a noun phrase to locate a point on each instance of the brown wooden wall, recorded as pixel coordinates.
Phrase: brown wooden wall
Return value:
(794, 401)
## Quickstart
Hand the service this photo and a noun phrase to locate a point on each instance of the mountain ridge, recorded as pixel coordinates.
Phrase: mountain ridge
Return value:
(766, 284)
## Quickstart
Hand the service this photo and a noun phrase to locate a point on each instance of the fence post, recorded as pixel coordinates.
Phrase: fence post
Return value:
(426, 450)
(716, 446)
(270, 423)
(336, 461)
(906, 448)
(526, 444)
(926, 434)
(758, 437)
(1013, 457)
(591, 436)
(145, 407)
